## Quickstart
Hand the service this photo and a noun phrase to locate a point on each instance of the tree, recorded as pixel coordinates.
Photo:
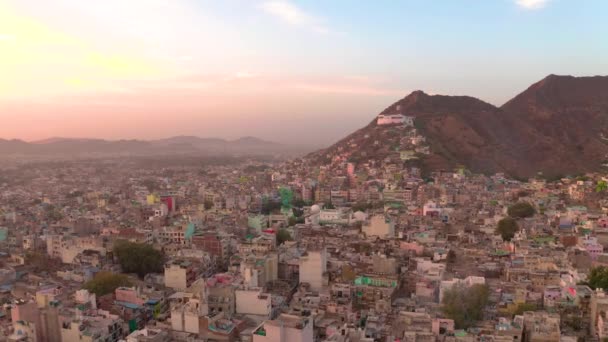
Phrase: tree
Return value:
(523, 307)
(601, 186)
(507, 227)
(299, 203)
(521, 210)
(464, 304)
(283, 235)
(208, 204)
(138, 258)
(451, 258)
(40, 261)
(106, 282)
(361, 206)
(297, 211)
(598, 278)
(330, 205)
(269, 207)
(292, 221)
(151, 184)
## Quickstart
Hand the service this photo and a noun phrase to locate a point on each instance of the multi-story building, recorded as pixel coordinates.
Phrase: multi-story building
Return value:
(286, 328)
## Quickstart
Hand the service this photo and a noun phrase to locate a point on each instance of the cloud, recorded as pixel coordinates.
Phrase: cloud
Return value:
(293, 15)
(531, 4)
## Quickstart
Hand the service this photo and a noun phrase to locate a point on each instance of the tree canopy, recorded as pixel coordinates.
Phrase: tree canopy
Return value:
(601, 186)
(507, 227)
(521, 210)
(598, 278)
(283, 235)
(269, 207)
(208, 204)
(523, 307)
(106, 282)
(138, 258)
(464, 304)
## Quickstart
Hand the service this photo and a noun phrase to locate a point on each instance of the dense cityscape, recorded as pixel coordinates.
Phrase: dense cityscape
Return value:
(303, 171)
(245, 249)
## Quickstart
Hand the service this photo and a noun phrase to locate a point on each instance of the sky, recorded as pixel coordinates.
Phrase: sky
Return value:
(292, 71)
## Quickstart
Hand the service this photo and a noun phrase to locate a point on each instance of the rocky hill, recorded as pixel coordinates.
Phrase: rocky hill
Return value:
(558, 126)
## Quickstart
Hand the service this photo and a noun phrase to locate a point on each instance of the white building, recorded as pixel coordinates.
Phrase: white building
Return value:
(313, 266)
(395, 119)
(286, 328)
(253, 302)
(179, 274)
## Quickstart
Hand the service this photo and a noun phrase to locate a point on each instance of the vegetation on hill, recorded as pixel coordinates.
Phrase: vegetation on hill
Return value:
(138, 258)
(598, 278)
(521, 210)
(507, 227)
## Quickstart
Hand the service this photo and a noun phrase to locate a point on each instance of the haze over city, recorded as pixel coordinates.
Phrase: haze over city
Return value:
(303, 170)
(151, 69)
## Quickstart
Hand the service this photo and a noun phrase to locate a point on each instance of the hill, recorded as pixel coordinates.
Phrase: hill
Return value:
(557, 127)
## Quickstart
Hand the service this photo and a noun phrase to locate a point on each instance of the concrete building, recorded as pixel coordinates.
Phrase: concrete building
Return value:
(253, 302)
(313, 268)
(148, 335)
(93, 326)
(286, 328)
(180, 274)
(394, 119)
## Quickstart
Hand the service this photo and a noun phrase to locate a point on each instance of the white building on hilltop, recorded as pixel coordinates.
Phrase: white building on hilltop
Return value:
(395, 119)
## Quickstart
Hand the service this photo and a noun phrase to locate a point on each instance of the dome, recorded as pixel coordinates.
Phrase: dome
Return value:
(315, 209)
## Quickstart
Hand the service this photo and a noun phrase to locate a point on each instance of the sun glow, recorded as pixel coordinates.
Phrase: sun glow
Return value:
(37, 60)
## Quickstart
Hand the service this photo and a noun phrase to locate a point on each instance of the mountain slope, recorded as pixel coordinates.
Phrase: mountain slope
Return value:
(570, 117)
(555, 127)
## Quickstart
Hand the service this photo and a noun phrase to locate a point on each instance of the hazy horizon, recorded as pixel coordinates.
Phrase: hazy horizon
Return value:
(152, 69)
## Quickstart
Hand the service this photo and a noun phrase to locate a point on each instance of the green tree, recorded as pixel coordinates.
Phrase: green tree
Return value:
(138, 258)
(464, 304)
(507, 227)
(521, 210)
(330, 205)
(208, 204)
(106, 282)
(361, 206)
(523, 307)
(598, 278)
(283, 235)
(601, 186)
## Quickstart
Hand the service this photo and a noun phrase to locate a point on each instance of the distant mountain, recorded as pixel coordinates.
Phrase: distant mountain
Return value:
(79, 147)
(558, 126)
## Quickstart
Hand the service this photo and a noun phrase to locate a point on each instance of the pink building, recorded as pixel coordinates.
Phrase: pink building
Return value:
(129, 295)
(412, 246)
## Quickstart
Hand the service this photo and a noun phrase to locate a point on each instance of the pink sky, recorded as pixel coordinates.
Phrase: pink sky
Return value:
(146, 69)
